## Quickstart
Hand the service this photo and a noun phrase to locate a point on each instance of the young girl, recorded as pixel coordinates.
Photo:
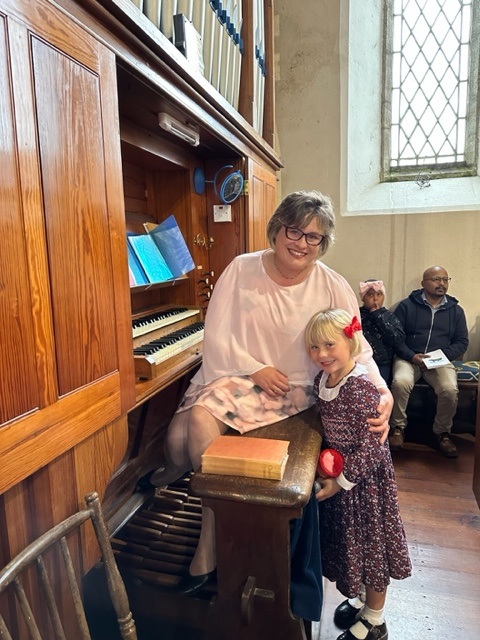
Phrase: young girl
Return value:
(381, 327)
(363, 539)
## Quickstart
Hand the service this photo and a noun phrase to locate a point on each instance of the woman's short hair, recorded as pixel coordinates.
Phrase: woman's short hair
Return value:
(325, 326)
(297, 210)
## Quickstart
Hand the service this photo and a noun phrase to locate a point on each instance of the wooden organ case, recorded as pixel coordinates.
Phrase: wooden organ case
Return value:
(84, 161)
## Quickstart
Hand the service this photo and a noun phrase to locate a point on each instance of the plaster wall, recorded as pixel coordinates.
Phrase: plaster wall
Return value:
(310, 114)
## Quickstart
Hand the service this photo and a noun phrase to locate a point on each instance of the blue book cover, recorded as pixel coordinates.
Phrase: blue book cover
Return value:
(135, 268)
(150, 258)
(172, 246)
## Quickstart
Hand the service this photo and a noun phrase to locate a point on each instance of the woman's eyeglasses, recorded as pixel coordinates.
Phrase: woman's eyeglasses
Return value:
(438, 279)
(313, 239)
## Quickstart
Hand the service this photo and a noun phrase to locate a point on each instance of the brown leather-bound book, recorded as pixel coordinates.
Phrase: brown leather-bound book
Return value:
(244, 456)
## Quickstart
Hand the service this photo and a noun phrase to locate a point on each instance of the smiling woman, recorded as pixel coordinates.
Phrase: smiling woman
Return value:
(255, 368)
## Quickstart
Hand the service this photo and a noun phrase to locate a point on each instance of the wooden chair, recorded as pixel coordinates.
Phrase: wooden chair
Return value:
(33, 554)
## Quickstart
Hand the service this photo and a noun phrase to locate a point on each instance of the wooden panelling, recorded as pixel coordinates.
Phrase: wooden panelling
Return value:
(262, 202)
(83, 160)
(68, 297)
(76, 217)
(19, 391)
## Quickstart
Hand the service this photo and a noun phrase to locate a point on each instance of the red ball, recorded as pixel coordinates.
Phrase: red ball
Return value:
(330, 463)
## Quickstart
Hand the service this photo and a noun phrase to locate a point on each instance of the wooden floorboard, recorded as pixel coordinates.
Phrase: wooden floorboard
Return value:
(441, 601)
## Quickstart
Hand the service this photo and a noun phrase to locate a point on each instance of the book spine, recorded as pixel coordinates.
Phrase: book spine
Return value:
(244, 468)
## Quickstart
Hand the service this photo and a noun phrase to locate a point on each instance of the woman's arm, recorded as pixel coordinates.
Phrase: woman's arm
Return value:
(381, 424)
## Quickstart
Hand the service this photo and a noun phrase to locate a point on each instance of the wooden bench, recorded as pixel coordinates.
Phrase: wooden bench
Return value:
(422, 407)
(252, 531)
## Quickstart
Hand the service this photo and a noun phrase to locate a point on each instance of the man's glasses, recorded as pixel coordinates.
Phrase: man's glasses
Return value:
(438, 279)
(313, 239)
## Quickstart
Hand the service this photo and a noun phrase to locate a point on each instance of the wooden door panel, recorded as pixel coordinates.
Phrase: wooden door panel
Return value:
(228, 237)
(67, 366)
(18, 382)
(76, 216)
(262, 202)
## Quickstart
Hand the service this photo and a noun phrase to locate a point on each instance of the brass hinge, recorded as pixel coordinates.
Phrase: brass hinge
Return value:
(246, 188)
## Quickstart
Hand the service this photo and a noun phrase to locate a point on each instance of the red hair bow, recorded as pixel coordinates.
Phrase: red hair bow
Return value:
(352, 327)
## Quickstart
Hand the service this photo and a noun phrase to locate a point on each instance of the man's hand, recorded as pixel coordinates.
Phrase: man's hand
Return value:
(329, 488)
(271, 380)
(418, 359)
(380, 424)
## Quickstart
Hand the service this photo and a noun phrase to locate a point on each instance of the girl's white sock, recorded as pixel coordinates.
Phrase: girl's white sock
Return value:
(375, 617)
(359, 601)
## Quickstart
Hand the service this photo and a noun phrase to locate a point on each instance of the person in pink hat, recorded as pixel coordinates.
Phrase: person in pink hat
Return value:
(381, 327)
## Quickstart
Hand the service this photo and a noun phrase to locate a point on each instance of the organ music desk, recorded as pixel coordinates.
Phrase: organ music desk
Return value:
(252, 521)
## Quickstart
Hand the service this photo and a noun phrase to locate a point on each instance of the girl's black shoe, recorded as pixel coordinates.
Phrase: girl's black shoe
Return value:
(375, 632)
(345, 615)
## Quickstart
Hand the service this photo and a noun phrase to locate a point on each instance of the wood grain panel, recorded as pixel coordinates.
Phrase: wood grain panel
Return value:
(72, 161)
(247, 96)
(33, 217)
(18, 381)
(34, 440)
(116, 227)
(57, 28)
(15, 534)
(262, 202)
(269, 100)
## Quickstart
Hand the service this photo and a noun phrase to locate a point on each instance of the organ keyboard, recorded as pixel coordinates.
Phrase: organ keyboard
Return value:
(163, 338)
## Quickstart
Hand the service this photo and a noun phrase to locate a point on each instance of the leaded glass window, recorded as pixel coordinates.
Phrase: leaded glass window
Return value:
(430, 102)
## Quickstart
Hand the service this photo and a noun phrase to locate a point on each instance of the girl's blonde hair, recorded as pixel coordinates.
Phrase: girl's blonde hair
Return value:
(325, 326)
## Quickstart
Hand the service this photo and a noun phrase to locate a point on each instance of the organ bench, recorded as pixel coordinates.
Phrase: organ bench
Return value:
(252, 520)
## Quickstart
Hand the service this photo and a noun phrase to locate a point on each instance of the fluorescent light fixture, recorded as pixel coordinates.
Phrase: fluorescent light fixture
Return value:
(184, 131)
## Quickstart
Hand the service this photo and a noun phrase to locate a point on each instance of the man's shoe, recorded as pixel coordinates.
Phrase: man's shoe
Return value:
(345, 615)
(396, 439)
(375, 632)
(446, 446)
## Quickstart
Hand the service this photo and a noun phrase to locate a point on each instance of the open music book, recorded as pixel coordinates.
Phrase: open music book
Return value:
(171, 244)
(160, 254)
(150, 258)
(245, 456)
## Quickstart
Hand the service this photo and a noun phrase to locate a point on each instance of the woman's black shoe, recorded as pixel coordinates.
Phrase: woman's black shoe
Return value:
(189, 585)
(345, 615)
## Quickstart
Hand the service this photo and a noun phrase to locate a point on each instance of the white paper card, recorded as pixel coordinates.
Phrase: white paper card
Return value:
(437, 359)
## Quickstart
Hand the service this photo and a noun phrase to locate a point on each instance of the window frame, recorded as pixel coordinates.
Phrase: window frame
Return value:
(442, 170)
(361, 192)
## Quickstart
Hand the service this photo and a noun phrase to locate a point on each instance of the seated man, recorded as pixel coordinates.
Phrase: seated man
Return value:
(431, 320)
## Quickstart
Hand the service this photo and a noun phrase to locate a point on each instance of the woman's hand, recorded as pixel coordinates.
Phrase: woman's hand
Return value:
(272, 381)
(329, 488)
(380, 424)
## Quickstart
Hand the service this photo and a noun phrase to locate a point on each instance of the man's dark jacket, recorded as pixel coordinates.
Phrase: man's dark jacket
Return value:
(426, 331)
